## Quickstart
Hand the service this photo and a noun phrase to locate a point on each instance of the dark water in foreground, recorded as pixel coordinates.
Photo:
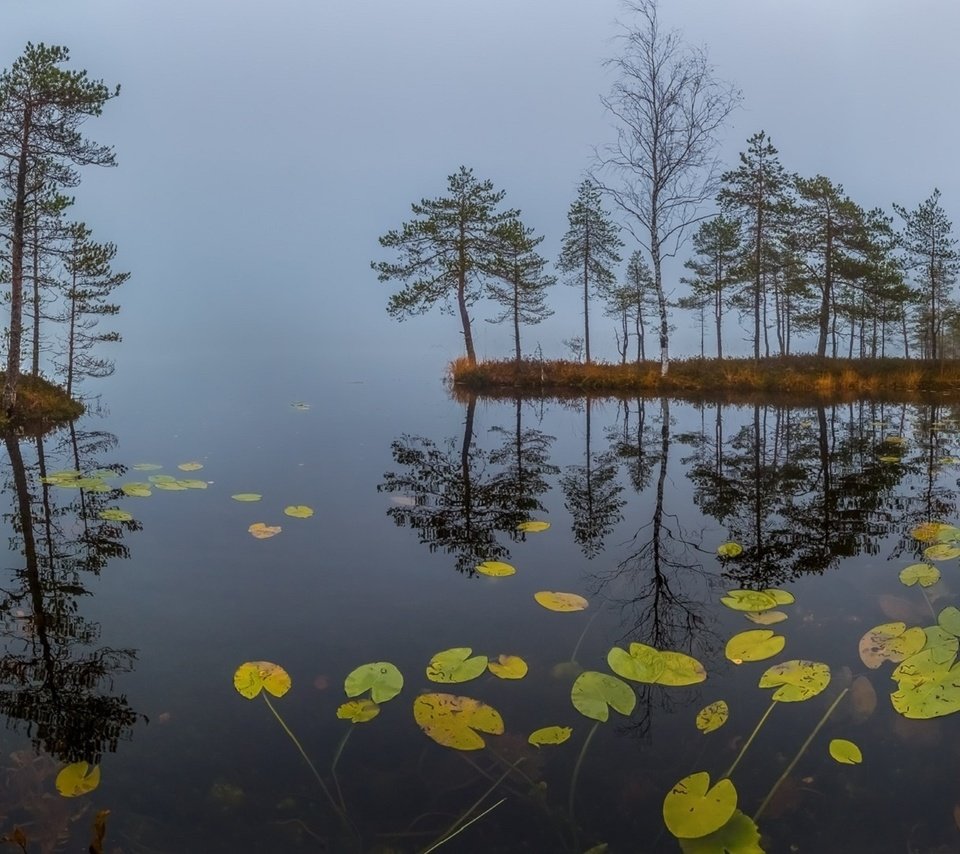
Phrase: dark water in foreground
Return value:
(121, 637)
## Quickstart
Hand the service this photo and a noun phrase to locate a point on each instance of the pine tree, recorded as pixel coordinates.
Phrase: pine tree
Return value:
(447, 251)
(589, 250)
(522, 294)
(42, 108)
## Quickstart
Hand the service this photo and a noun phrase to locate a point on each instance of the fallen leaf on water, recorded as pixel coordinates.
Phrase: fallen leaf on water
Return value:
(264, 532)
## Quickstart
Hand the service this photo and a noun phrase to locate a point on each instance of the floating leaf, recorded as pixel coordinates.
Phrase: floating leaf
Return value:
(754, 645)
(358, 711)
(264, 532)
(253, 676)
(454, 721)
(550, 735)
(247, 496)
(456, 665)
(136, 490)
(77, 779)
(845, 752)
(713, 716)
(926, 688)
(680, 669)
(796, 680)
(942, 551)
(692, 809)
(495, 568)
(170, 486)
(919, 573)
(888, 458)
(553, 601)
(781, 597)
(738, 836)
(729, 549)
(299, 511)
(533, 526)
(508, 667)
(765, 618)
(381, 678)
(641, 664)
(949, 620)
(594, 693)
(146, 467)
(863, 699)
(749, 600)
(191, 483)
(894, 440)
(890, 642)
(191, 466)
(115, 514)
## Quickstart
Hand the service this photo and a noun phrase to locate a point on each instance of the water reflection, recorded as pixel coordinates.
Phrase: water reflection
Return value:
(56, 682)
(450, 493)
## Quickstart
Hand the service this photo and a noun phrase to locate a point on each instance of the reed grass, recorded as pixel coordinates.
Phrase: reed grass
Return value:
(804, 376)
(40, 401)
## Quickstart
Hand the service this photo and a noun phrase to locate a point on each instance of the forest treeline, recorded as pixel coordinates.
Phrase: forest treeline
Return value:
(57, 281)
(794, 258)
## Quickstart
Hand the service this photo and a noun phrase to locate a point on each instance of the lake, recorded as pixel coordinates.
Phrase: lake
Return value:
(123, 630)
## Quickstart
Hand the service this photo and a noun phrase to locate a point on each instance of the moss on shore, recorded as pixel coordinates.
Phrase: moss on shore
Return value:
(40, 402)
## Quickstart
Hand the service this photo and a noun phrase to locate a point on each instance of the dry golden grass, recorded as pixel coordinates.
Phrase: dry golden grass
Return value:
(40, 401)
(802, 376)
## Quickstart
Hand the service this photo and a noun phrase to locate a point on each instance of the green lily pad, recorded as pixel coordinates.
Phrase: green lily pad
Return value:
(738, 836)
(137, 490)
(161, 478)
(765, 618)
(749, 600)
(845, 752)
(942, 551)
(456, 665)
(247, 496)
(796, 680)
(754, 645)
(170, 486)
(594, 694)
(641, 664)
(890, 642)
(298, 511)
(191, 466)
(680, 669)
(942, 644)
(146, 467)
(713, 716)
(381, 678)
(693, 809)
(949, 620)
(919, 573)
(191, 483)
(115, 514)
(358, 711)
(926, 689)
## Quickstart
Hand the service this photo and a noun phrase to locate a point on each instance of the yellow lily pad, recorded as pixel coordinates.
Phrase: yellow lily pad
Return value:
(693, 808)
(146, 467)
(749, 600)
(191, 466)
(641, 663)
(533, 526)
(754, 645)
(247, 496)
(252, 677)
(456, 721)
(358, 711)
(136, 490)
(919, 573)
(796, 680)
(942, 551)
(264, 532)
(930, 532)
(508, 667)
(298, 511)
(845, 752)
(554, 601)
(729, 549)
(738, 836)
(115, 514)
(170, 485)
(77, 779)
(765, 618)
(680, 669)
(550, 735)
(712, 717)
(495, 568)
(192, 483)
(456, 665)
(890, 642)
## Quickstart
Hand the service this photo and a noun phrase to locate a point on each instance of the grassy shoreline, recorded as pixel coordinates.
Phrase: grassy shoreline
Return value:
(805, 377)
(40, 403)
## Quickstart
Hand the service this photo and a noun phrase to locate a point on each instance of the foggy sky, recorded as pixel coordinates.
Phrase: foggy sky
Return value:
(263, 148)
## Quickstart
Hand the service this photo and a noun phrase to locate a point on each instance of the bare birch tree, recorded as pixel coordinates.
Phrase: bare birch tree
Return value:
(668, 108)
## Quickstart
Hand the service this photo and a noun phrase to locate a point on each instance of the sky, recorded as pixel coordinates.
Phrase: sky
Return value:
(264, 147)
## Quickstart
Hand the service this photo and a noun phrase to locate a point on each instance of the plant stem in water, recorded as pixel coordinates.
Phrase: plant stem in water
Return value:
(800, 753)
(333, 767)
(576, 768)
(749, 741)
(583, 634)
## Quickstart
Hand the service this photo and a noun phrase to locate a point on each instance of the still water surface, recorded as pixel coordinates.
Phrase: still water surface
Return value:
(122, 637)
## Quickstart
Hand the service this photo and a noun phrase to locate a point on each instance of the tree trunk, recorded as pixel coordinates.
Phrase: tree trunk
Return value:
(9, 398)
(35, 362)
(661, 299)
(826, 295)
(462, 299)
(586, 293)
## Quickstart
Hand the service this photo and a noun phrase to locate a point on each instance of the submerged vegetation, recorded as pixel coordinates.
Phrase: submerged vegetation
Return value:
(807, 376)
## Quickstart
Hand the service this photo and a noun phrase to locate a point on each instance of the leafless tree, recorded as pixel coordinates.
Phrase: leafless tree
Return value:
(668, 108)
